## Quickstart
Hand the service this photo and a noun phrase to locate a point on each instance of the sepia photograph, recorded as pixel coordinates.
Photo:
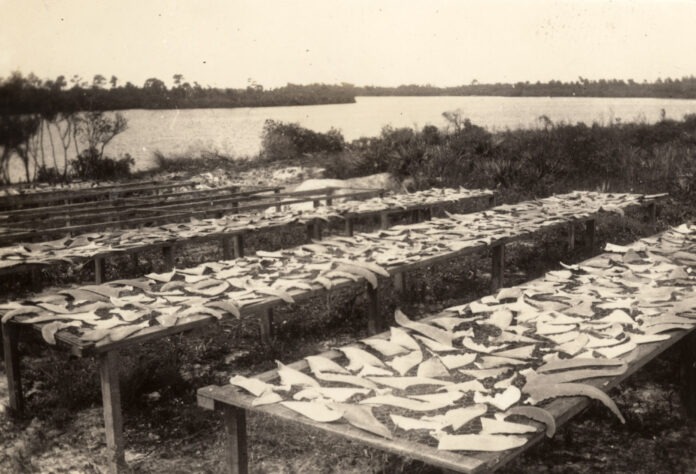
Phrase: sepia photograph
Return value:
(348, 236)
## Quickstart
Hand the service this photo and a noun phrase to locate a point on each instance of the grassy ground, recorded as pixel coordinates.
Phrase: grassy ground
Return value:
(167, 433)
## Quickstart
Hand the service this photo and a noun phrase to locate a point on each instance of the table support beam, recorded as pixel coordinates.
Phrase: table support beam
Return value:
(266, 327)
(113, 417)
(590, 227)
(236, 440)
(571, 236)
(498, 266)
(10, 339)
(99, 270)
(375, 322)
(238, 246)
(688, 374)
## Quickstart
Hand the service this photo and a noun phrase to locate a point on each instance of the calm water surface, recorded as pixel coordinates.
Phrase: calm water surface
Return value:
(237, 131)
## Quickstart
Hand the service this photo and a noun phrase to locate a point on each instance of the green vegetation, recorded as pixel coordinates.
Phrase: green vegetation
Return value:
(556, 157)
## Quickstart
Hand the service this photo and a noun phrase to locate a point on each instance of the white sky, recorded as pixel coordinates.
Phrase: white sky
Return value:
(365, 42)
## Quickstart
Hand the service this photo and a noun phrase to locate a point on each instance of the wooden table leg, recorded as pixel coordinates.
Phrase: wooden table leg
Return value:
(688, 374)
(169, 254)
(266, 327)
(349, 226)
(10, 339)
(227, 248)
(99, 268)
(590, 227)
(384, 220)
(317, 227)
(113, 417)
(36, 279)
(652, 214)
(278, 207)
(375, 322)
(399, 282)
(236, 440)
(571, 236)
(238, 246)
(498, 267)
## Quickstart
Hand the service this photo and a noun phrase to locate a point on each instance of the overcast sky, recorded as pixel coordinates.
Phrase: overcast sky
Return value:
(365, 42)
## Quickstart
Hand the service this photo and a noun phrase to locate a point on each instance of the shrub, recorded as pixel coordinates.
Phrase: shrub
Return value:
(282, 141)
(49, 175)
(89, 165)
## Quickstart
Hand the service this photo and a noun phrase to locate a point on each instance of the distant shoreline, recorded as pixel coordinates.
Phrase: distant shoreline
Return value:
(31, 95)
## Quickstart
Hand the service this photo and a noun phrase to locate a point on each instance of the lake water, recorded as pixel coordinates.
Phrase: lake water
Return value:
(238, 131)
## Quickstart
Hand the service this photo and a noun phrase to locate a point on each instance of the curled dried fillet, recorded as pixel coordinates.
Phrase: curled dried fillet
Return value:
(469, 386)
(360, 271)
(574, 375)
(401, 337)
(107, 289)
(226, 305)
(499, 426)
(443, 337)
(359, 358)
(502, 401)
(660, 328)
(214, 290)
(346, 379)
(491, 361)
(266, 398)
(314, 410)
(470, 344)
(122, 332)
(534, 413)
(337, 394)
(455, 361)
(371, 266)
(406, 382)
(408, 424)
(406, 403)
(480, 442)
(267, 290)
(434, 345)
(370, 370)
(384, 347)
(523, 352)
(501, 319)
(565, 364)
(615, 351)
(458, 417)
(48, 331)
(432, 367)
(253, 385)
(402, 364)
(362, 417)
(292, 377)
(441, 397)
(482, 374)
(324, 364)
(575, 346)
(541, 392)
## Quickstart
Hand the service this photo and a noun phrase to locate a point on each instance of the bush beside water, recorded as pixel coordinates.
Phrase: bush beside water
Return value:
(555, 157)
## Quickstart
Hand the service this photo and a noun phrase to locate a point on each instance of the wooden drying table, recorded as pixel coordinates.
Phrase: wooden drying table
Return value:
(232, 242)
(107, 353)
(234, 403)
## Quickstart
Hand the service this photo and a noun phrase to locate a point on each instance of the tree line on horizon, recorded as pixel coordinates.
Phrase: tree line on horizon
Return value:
(29, 94)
